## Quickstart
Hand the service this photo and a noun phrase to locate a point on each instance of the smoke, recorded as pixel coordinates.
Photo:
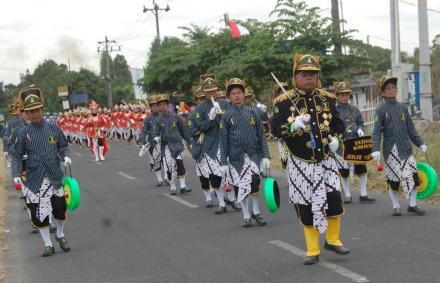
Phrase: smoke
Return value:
(71, 49)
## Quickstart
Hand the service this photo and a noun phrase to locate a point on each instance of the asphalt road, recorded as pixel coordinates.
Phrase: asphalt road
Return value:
(128, 230)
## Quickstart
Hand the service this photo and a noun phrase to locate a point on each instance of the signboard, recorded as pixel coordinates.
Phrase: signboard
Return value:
(79, 98)
(136, 76)
(66, 104)
(358, 150)
(63, 91)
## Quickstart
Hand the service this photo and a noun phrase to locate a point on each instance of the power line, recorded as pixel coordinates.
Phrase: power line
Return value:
(123, 34)
(155, 10)
(130, 35)
(106, 47)
(415, 5)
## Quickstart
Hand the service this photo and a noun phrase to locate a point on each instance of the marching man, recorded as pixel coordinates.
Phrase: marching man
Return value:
(95, 125)
(154, 154)
(307, 121)
(243, 150)
(168, 131)
(45, 146)
(204, 126)
(354, 127)
(393, 122)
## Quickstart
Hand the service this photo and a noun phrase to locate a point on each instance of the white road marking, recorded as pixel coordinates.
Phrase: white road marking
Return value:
(78, 154)
(333, 267)
(126, 175)
(184, 202)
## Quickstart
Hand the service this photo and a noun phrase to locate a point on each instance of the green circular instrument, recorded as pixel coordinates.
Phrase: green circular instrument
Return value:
(72, 193)
(428, 180)
(271, 194)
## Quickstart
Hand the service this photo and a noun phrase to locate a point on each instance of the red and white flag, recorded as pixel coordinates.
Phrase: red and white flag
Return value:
(237, 30)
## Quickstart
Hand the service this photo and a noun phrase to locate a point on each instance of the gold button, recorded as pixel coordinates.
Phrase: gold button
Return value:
(311, 110)
(316, 136)
(319, 149)
(314, 123)
(310, 99)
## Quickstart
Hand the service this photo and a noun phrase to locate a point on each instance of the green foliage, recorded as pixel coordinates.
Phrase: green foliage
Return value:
(49, 76)
(175, 64)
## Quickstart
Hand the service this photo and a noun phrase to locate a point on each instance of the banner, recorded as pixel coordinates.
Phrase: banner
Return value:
(136, 76)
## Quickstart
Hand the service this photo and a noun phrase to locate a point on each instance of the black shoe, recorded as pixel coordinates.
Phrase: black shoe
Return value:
(173, 192)
(416, 210)
(348, 200)
(52, 228)
(48, 251)
(337, 249)
(309, 260)
(185, 190)
(233, 205)
(209, 203)
(259, 219)
(366, 199)
(221, 210)
(63, 243)
(396, 212)
(247, 223)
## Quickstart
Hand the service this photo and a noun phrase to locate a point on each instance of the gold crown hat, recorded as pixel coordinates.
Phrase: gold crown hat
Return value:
(249, 91)
(32, 98)
(277, 87)
(161, 97)
(384, 80)
(209, 84)
(221, 94)
(342, 86)
(306, 62)
(206, 76)
(152, 99)
(235, 82)
(197, 91)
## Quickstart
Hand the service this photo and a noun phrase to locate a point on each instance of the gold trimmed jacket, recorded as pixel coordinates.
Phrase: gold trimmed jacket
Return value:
(324, 121)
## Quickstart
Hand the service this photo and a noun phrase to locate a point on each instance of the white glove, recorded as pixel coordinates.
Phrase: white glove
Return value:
(376, 155)
(299, 123)
(360, 133)
(423, 148)
(265, 164)
(212, 113)
(17, 180)
(224, 169)
(334, 144)
(157, 139)
(216, 105)
(67, 161)
(6, 154)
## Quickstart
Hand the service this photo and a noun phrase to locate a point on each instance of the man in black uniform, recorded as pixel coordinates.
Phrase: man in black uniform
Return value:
(306, 119)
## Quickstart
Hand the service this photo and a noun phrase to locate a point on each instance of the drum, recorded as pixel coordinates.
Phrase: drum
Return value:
(428, 180)
(271, 194)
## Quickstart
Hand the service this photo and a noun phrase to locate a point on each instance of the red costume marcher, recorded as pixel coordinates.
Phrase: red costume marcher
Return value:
(95, 125)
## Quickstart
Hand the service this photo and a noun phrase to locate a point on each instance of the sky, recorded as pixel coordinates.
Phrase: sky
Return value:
(68, 31)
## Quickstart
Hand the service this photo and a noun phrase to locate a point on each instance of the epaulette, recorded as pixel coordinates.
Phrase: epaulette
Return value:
(284, 96)
(326, 93)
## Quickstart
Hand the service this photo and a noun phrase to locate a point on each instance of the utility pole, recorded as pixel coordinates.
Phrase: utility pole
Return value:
(396, 63)
(155, 10)
(105, 48)
(425, 63)
(336, 25)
